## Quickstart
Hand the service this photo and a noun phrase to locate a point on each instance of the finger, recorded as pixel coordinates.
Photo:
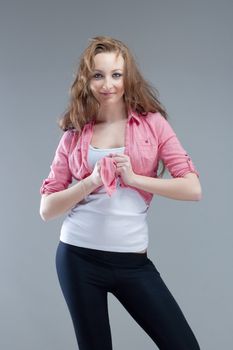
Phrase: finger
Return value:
(121, 158)
(122, 164)
(119, 155)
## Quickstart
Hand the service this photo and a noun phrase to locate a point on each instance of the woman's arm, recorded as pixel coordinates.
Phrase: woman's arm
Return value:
(184, 184)
(186, 188)
(57, 203)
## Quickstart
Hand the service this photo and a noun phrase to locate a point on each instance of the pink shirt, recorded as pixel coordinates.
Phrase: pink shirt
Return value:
(147, 140)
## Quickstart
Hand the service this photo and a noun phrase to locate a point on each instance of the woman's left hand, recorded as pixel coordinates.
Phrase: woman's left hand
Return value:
(124, 168)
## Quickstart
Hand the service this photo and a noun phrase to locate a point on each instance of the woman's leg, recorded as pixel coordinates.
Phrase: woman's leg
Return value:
(83, 285)
(145, 296)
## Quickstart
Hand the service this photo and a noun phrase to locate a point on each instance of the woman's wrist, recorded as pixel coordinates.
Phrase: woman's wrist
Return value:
(89, 184)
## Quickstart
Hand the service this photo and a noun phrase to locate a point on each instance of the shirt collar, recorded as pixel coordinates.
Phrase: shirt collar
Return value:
(131, 115)
(134, 115)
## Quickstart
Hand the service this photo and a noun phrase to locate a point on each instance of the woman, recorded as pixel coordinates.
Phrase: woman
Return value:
(116, 135)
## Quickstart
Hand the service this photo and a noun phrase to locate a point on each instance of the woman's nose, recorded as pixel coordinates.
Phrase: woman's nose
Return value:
(107, 83)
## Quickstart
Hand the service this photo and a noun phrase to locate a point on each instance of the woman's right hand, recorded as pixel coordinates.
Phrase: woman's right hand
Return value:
(95, 175)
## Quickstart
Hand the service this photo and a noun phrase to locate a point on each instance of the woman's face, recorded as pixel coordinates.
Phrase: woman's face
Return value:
(106, 82)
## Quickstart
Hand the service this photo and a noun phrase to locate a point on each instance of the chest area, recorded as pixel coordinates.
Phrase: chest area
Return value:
(139, 143)
(108, 136)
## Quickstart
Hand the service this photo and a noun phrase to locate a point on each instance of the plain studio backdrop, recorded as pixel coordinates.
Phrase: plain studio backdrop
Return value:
(184, 48)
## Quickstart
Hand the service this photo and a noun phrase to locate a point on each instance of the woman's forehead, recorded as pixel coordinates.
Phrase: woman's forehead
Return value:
(108, 59)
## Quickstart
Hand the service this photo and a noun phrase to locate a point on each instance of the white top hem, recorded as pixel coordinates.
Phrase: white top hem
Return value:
(106, 248)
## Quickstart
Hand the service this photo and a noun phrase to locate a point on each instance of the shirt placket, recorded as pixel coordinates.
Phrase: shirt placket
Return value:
(88, 131)
(126, 149)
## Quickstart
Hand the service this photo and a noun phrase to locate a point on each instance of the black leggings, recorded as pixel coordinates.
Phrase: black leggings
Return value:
(87, 275)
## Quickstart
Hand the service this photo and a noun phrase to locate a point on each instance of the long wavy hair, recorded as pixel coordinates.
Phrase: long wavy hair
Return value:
(139, 95)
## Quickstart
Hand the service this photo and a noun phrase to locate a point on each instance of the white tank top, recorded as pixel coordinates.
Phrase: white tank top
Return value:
(117, 223)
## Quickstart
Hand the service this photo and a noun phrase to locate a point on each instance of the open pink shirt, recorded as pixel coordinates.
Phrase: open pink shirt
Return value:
(148, 139)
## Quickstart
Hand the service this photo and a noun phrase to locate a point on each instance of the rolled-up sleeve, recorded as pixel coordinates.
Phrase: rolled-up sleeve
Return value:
(171, 152)
(60, 175)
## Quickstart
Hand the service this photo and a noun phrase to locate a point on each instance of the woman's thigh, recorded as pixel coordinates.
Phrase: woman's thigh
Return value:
(146, 297)
(84, 288)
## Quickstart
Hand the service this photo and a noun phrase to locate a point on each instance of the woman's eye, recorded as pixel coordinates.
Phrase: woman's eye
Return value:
(96, 75)
(115, 74)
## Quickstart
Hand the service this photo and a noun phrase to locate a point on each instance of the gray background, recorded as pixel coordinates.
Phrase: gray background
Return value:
(185, 49)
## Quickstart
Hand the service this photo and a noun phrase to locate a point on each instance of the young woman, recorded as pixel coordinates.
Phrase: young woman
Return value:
(116, 134)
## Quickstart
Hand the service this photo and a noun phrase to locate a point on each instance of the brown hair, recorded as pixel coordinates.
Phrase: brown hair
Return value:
(139, 94)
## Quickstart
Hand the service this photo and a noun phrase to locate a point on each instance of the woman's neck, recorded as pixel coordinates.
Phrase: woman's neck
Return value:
(111, 114)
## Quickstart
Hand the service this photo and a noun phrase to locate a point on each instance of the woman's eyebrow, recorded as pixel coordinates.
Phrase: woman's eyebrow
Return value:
(99, 70)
